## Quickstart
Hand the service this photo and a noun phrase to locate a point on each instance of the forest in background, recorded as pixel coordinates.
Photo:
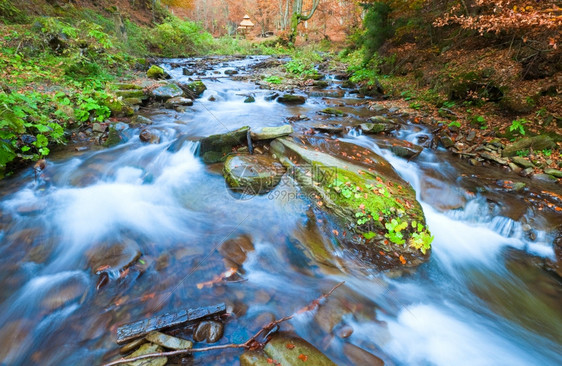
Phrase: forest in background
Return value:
(491, 65)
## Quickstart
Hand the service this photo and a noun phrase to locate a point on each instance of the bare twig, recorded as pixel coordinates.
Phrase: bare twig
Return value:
(252, 344)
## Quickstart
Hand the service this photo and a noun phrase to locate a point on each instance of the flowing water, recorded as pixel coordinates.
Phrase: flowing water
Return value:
(482, 299)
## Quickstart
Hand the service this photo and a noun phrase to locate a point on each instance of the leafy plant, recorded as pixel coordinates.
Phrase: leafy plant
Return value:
(273, 79)
(454, 124)
(522, 153)
(547, 152)
(517, 126)
(300, 68)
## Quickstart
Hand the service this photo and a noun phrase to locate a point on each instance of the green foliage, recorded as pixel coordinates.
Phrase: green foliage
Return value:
(480, 121)
(454, 124)
(273, 79)
(517, 126)
(175, 38)
(378, 28)
(300, 68)
(547, 152)
(377, 211)
(10, 14)
(522, 153)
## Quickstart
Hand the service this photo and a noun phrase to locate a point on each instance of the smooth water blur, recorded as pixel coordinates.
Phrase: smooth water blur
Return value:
(479, 301)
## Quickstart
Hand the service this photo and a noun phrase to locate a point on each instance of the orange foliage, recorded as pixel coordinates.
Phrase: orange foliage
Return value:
(519, 17)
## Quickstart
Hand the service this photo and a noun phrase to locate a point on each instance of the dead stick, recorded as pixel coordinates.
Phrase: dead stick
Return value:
(251, 343)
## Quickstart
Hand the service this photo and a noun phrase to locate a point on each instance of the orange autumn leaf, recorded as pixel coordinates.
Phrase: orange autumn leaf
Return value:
(303, 357)
(290, 346)
(335, 232)
(402, 259)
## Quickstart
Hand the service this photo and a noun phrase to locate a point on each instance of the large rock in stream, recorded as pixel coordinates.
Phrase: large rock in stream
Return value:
(215, 148)
(374, 211)
(253, 174)
(287, 350)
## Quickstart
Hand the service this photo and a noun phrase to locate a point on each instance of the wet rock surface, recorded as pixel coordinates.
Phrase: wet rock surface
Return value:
(392, 203)
(253, 174)
(208, 331)
(215, 148)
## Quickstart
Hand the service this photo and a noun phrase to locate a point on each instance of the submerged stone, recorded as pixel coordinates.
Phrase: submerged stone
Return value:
(208, 330)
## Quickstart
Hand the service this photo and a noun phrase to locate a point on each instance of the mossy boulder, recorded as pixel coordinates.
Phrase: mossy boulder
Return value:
(215, 148)
(168, 91)
(292, 99)
(537, 143)
(287, 350)
(364, 197)
(194, 89)
(131, 93)
(156, 72)
(252, 174)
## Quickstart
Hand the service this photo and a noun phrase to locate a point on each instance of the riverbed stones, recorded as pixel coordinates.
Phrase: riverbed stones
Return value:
(113, 257)
(327, 93)
(349, 188)
(537, 143)
(145, 349)
(230, 72)
(149, 135)
(270, 96)
(250, 99)
(63, 292)
(292, 99)
(252, 174)
(359, 356)
(269, 133)
(522, 162)
(553, 172)
(235, 251)
(400, 148)
(168, 91)
(168, 341)
(215, 148)
(209, 330)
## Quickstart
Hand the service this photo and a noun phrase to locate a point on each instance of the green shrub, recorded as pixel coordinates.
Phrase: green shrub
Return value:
(176, 38)
(378, 28)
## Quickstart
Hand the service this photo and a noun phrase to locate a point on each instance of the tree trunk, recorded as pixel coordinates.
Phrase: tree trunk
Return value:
(299, 17)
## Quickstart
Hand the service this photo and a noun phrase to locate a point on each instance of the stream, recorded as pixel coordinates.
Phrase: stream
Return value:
(484, 297)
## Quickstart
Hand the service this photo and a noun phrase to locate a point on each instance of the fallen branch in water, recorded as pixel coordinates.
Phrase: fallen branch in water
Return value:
(251, 344)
